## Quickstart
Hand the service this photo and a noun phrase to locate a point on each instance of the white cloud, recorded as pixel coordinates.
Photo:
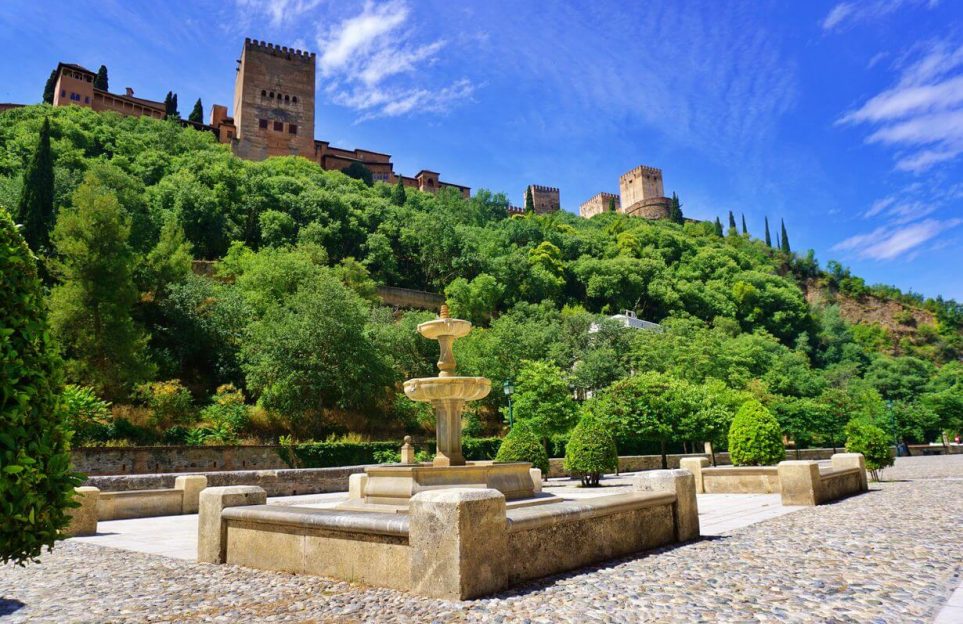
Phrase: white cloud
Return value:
(280, 11)
(846, 14)
(371, 63)
(888, 242)
(921, 115)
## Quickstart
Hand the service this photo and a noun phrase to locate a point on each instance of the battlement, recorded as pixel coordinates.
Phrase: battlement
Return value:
(544, 189)
(604, 195)
(278, 50)
(642, 169)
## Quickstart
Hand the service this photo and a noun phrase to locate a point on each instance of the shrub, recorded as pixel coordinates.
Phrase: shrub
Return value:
(87, 415)
(522, 445)
(169, 401)
(755, 438)
(227, 410)
(590, 452)
(36, 484)
(868, 439)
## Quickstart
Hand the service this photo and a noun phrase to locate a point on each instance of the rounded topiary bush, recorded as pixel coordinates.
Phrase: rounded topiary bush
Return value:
(755, 438)
(36, 484)
(591, 452)
(874, 443)
(522, 445)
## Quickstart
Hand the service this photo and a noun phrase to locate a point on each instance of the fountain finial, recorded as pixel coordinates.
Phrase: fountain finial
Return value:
(444, 311)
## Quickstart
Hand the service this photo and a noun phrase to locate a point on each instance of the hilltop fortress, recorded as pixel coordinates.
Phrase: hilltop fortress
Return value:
(274, 108)
(274, 103)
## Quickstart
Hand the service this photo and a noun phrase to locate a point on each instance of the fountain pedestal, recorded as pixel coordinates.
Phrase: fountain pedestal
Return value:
(389, 487)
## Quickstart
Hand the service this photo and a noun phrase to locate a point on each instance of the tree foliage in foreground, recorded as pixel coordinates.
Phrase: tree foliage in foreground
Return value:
(36, 484)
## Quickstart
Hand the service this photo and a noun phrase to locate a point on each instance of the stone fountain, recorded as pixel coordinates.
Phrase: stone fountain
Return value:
(389, 487)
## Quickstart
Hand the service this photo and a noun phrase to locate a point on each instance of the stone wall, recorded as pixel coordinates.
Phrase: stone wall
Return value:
(285, 482)
(97, 461)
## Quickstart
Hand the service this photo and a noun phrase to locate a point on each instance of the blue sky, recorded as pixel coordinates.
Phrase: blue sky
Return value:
(843, 118)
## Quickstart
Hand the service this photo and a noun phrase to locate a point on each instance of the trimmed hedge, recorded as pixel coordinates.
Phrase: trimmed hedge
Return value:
(591, 452)
(522, 445)
(333, 454)
(874, 443)
(36, 483)
(755, 437)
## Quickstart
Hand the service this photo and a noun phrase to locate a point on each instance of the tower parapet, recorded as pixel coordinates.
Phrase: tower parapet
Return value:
(599, 203)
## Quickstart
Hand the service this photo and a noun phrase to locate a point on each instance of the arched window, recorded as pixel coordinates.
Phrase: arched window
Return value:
(272, 95)
(263, 93)
(287, 98)
(295, 99)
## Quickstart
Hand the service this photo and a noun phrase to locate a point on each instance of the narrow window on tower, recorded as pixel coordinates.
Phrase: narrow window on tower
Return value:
(262, 123)
(278, 126)
(292, 128)
(294, 99)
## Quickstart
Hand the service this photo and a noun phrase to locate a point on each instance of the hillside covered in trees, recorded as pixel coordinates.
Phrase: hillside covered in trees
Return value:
(287, 336)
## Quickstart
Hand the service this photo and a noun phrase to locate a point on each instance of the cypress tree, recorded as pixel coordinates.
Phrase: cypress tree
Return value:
(768, 238)
(529, 202)
(784, 242)
(35, 210)
(732, 222)
(170, 106)
(48, 89)
(197, 114)
(398, 194)
(718, 227)
(100, 80)
(175, 113)
(744, 230)
(612, 204)
(675, 210)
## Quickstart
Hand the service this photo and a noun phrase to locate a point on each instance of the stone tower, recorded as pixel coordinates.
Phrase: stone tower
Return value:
(274, 101)
(545, 199)
(642, 193)
(598, 204)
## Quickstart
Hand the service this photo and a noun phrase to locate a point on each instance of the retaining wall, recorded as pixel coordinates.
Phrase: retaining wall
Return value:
(124, 460)
(286, 482)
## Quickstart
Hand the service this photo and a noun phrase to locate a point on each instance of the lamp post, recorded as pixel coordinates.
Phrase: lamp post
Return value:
(892, 419)
(509, 388)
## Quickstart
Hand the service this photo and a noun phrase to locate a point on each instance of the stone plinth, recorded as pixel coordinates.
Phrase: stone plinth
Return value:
(685, 509)
(211, 531)
(395, 485)
(458, 543)
(83, 519)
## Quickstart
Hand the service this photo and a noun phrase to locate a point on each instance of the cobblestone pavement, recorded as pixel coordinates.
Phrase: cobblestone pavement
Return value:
(892, 555)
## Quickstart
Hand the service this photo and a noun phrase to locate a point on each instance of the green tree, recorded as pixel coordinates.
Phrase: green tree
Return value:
(718, 227)
(170, 106)
(474, 300)
(91, 309)
(744, 229)
(864, 437)
(755, 438)
(398, 194)
(36, 484)
(675, 210)
(49, 86)
(35, 209)
(611, 204)
(358, 171)
(591, 452)
(783, 237)
(100, 80)
(311, 353)
(523, 445)
(529, 201)
(768, 238)
(277, 228)
(197, 113)
(169, 261)
(732, 223)
(543, 400)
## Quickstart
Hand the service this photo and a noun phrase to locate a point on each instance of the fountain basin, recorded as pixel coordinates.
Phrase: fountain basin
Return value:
(447, 388)
(436, 328)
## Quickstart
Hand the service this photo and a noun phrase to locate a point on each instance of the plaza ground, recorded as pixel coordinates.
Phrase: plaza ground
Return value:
(894, 554)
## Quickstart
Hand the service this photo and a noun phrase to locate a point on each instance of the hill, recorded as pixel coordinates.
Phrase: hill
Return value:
(300, 251)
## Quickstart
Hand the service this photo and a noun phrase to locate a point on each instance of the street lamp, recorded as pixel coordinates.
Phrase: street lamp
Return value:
(892, 418)
(509, 389)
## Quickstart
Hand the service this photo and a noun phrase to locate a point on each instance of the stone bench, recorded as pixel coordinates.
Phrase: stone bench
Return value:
(96, 505)
(799, 482)
(454, 543)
